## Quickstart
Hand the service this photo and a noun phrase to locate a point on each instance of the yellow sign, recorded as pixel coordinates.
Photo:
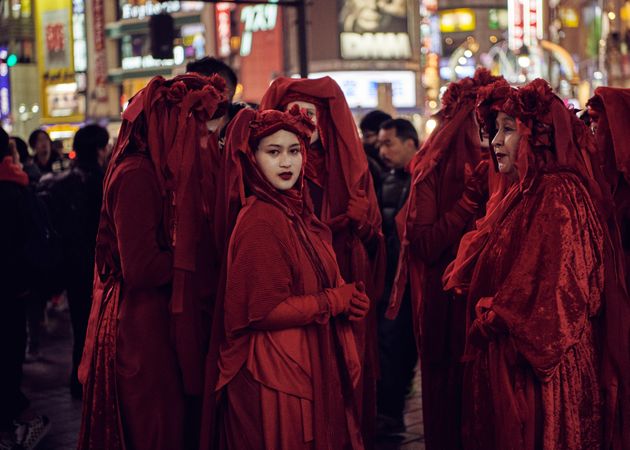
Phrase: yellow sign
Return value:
(456, 20)
(55, 61)
(569, 17)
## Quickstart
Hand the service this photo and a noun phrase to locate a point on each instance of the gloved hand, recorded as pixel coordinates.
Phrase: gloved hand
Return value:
(348, 299)
(476, 185)
(358, 207)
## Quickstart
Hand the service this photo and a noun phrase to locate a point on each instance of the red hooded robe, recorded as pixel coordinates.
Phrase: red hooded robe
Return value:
(149, 322)
(434, 221)
(537, 269)
(336, 171)
(287, 371)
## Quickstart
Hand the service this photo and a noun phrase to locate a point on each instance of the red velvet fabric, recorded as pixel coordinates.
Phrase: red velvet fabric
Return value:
(435, 219)
(9, 171)
(286, 369)
(611, 107)
(534, 325)
(149, 321)
(359, 246)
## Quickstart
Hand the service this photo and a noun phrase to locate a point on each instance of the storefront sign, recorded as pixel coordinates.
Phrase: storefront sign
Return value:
(525, 23)
(147, 62)
(224, 29)
(361, 87)
(373, 30)
(457, 20)
(256, 18)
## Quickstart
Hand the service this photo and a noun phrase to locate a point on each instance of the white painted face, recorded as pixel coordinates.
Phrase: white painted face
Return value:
(506, 142)
(311, 112)
(279, 157)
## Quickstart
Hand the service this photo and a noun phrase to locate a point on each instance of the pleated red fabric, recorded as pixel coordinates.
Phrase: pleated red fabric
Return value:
(149, 323)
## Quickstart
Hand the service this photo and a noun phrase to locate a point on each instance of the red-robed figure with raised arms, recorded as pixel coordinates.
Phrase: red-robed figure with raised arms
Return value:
(287, 358)
(537, 270)
(449, 189)
(341, 189)
(142, 366)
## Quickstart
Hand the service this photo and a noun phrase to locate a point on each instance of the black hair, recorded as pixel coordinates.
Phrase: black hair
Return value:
(4, 144)
(404, 130)
(210, 66)
(32, 139)
(88, 140)
(373, 120)
(22, 148)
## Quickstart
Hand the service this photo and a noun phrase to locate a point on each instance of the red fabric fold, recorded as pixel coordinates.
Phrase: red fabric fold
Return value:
(9, 171)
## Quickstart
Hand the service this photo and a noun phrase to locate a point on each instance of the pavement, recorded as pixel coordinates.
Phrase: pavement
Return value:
(46, 384)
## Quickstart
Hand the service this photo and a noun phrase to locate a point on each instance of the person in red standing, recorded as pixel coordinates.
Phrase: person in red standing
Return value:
(448, 193)
(287, 359)
(536, 270)
(341, 189)
(609, 110)
(144, 353)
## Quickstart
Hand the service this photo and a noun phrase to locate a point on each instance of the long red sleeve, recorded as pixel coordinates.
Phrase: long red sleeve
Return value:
(137, 217)
(296, 311)
(433, 233)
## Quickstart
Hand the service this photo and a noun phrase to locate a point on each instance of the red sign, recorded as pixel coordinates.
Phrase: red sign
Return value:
(55, 39)
(224, 29)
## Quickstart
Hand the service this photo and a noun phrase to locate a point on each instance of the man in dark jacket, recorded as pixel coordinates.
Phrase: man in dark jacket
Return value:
(397, 143)
(369, 126)
(74, 198)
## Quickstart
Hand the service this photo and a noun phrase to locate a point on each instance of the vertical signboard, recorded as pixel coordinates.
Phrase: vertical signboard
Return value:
(525, 23)
(53, 24)
(374, 30)
(224, 29)
(5, 87)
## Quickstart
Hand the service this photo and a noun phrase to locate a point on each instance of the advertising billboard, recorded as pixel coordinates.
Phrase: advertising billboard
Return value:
(371, 29)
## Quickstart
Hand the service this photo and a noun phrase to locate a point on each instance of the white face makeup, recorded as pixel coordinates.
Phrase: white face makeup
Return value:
(279, 157)
(506, 143)
(311, 112)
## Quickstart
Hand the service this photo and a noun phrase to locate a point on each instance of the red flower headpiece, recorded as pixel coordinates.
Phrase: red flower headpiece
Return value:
(465, 91)
(269, 121)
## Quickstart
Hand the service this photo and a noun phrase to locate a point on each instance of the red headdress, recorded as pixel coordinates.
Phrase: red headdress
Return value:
(346, 163)
(553, 138)
(454, 142)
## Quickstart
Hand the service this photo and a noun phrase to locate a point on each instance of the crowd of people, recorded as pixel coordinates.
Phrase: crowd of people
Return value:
(270, 276)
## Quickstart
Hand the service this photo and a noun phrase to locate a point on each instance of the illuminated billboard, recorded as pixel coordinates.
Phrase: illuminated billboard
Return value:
(374, 30)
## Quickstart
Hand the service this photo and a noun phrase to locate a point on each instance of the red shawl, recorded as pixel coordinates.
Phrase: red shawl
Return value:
(241, 183)
(9, 171)
(554, 139)
(455, 144)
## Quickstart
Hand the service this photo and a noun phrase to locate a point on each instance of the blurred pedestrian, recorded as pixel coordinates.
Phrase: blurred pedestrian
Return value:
(19, 427)
(28, 164)
(142, 365)
(369, 126)
(398, 143)
(41, 144)
(342, 192)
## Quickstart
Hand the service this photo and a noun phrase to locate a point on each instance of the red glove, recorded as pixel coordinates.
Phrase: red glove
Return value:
(358, 207)
(476, 186)
(348, 299)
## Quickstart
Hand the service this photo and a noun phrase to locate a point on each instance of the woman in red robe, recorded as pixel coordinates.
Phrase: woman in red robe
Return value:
(536, 272)
(610, 109)
(144, 353)
(288, 362)
(342, 192)
(446, 197)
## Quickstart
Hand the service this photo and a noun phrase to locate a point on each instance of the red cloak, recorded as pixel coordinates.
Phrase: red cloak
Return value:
(434, 221)
(335, 174)
(532, 379)
(286, 369)
(148, 327)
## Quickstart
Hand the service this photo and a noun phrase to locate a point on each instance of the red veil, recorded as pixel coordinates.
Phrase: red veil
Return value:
(242, 183)
(554, 138)
(167, 120)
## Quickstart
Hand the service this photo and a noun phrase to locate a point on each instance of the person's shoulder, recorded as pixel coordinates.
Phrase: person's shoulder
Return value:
(563, 188)
(135, 162)
(262, 217)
